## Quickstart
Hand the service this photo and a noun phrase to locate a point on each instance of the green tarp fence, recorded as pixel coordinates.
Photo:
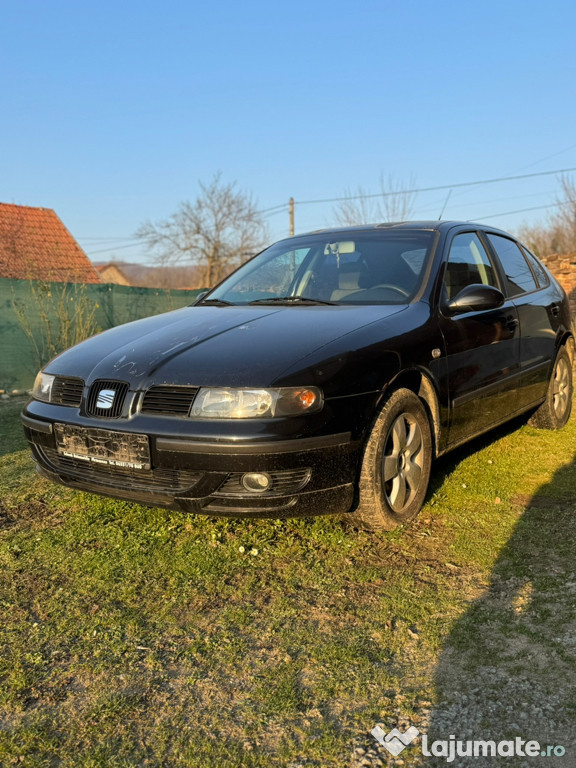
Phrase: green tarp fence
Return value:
(38, 320)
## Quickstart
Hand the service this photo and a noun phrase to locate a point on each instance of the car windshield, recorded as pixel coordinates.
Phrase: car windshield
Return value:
(357, 267)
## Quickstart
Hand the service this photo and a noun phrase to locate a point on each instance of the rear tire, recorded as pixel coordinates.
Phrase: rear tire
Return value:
(557, 407)
(396, 464)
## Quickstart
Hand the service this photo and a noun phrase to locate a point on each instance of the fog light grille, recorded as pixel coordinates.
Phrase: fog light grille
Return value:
(282, 483)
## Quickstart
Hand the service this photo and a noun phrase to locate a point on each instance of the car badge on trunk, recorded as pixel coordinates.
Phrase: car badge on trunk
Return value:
(105, 398)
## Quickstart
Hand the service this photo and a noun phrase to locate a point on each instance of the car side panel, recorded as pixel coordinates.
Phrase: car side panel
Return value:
(482, 353)
(539, 315)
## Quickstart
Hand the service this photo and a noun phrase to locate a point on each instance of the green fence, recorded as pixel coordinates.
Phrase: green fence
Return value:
(39, 319)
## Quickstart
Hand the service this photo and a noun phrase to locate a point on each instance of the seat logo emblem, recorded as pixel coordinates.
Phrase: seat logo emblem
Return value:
(105, 399)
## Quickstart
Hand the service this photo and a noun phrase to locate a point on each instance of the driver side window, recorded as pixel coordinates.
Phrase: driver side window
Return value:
(468, 263)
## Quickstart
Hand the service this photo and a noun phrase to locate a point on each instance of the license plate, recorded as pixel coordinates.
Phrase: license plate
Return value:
(100, 446)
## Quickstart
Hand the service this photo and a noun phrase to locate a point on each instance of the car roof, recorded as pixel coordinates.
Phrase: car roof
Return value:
(432, 225)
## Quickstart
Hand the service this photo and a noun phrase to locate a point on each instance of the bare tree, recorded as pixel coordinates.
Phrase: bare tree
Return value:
(358, 208)
(394, 202)
(558, 234)
(564, 220)
(217, 232)
(536, 237)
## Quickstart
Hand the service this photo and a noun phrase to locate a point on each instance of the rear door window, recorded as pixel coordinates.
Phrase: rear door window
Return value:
(539, 272)
(519, 277)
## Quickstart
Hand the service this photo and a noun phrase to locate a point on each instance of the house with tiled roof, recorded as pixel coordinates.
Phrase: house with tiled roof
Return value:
(165, 277)
(35, 245)
(113, 273)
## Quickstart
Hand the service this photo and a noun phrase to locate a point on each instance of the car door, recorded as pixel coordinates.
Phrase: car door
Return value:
(481, 347)
(536, 307)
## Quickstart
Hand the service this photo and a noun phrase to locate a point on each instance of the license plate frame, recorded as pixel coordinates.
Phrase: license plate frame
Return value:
(103, 447)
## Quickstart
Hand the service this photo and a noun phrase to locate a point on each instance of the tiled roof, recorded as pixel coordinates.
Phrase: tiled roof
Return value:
(35, 244)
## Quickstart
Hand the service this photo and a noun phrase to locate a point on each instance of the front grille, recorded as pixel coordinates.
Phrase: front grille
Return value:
(175, 401)
(172, 481)
(120, 390)
(67, 390)
(284, 483)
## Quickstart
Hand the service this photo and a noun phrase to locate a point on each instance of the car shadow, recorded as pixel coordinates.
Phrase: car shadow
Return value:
(508, 667)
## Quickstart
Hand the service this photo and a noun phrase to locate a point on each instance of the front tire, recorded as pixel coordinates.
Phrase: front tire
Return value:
(396, 464)
(557, 407)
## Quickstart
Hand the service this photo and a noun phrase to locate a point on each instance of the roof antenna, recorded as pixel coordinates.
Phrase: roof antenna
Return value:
(445, 204)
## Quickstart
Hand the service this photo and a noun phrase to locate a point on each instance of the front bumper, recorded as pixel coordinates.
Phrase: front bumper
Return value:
(310, 476)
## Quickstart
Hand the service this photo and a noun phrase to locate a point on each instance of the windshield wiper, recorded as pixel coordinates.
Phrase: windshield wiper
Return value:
(290, 300)
(216, 302)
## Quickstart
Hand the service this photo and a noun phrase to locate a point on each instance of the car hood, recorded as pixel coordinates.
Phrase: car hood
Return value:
(214, 346)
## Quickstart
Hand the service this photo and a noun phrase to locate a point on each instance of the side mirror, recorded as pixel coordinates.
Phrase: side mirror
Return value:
(475, 298)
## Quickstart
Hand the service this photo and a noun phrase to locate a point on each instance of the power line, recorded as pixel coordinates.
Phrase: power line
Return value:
(106, 239)
(436, 205)
(118, 248)
(274, 208)
(548, 157)
(438, 188)
(442, 187)
(522, 210)
(279, 210)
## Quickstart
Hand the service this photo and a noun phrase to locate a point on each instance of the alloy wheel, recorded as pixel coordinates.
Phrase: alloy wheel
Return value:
(402, 462)
(561, 388)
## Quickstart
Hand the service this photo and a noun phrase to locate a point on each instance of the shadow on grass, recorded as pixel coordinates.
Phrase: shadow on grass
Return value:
(507, 670)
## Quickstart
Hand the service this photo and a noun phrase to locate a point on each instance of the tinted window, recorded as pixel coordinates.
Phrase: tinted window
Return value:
(519, 277)
(537, 268)
(468, 263)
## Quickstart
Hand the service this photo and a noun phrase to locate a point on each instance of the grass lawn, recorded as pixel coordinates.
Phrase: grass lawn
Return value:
(132, 636)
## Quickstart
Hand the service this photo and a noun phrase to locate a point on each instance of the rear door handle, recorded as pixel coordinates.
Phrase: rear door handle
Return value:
(555, 309)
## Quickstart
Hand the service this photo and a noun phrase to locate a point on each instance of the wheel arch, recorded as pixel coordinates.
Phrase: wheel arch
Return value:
(421, 384)
(570, 344)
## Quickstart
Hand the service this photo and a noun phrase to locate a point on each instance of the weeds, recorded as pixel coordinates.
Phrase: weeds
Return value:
(59, 316)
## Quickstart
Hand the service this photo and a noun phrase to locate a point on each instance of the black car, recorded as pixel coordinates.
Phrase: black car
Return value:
(323, 376)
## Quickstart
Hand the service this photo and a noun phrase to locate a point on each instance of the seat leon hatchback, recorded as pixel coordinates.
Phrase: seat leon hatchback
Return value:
(323, 376)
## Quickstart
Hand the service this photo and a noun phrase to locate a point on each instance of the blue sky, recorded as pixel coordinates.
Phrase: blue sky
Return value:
(112, 112)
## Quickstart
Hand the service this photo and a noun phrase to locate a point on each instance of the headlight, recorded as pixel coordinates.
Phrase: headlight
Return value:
(43, 387)
(224, 403)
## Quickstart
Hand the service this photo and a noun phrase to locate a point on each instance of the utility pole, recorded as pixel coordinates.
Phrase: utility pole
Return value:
(291, 212)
